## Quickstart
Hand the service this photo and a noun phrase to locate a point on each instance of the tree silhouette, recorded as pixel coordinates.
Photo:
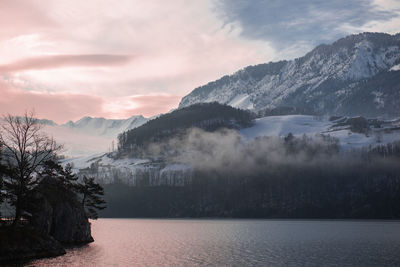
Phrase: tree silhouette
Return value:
(92, 196)
(26, 149)
(65, 175)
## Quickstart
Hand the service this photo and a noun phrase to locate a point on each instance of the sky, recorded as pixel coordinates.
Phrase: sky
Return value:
(104, 58)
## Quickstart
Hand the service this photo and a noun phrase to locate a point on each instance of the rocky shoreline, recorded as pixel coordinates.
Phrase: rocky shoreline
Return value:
(25, 243)
(59, 221)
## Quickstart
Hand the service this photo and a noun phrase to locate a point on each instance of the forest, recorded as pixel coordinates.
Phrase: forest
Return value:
(206, 116)
(291, 177)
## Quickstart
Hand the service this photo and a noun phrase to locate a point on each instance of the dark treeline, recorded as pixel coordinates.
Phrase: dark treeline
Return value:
(206, 116)
(307, 179)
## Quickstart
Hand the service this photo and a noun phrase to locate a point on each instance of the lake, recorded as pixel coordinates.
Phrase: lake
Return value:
(186, 242)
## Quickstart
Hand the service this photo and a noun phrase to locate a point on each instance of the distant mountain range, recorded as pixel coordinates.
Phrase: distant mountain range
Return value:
(106, 127)
(356, 75)
(101, 126)
(88, 135)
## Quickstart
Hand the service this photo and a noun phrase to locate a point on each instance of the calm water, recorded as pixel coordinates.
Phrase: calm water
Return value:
(140, 242)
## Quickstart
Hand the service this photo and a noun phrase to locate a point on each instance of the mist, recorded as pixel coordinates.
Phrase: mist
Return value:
(266, 177)
(227, 151)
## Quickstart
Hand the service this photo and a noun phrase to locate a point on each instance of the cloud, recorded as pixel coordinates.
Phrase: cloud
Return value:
(70, 48)
(160, 103)
(62, 107)
(59, 61)
(57, 107)
(146, 105)
(286, 23)
(23, 17)
(177, 47)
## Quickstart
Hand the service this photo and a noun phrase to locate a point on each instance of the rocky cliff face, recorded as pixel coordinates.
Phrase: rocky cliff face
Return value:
(61, 216)
(57, 218)
(356, 75)
(64, 222)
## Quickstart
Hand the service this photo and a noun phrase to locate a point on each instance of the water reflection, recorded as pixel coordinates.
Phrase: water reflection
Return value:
(138, 242)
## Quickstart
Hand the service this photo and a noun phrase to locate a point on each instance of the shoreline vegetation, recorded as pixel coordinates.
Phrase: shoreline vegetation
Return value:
(50, 205)
(58, 222)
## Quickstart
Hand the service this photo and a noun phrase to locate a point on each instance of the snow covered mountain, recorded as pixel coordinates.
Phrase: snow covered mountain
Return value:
(356, 75)
(89, 136)
(106, 127)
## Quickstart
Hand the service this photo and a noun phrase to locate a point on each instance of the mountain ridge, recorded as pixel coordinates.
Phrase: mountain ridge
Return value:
(106, 127)
(100, 125)
(329, 79)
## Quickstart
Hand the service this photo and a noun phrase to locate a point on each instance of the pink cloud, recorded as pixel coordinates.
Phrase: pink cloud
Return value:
(146, 105)
(149, 105)
(57, 107)
(58, 61)
(22, 17)
(175, 54)
(61, 107)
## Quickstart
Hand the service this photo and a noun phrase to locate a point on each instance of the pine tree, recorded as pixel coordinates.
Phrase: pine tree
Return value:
(53, 170)
(92, 197)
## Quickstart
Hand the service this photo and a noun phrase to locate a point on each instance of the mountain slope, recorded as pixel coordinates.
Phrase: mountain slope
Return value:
(356, 132)
(207, 116)
(356, 75)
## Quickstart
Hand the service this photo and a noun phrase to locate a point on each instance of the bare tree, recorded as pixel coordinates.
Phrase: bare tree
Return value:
(26, 149)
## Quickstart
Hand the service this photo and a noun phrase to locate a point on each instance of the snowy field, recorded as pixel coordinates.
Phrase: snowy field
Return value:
(311, 125)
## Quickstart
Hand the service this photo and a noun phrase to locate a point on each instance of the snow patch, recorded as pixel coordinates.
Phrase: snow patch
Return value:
(283, 125)
(395, 68)
(241, 101)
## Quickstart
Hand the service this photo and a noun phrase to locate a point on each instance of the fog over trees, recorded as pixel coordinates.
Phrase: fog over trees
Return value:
(268, 177)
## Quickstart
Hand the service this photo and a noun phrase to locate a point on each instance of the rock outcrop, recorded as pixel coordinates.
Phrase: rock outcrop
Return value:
(57, 219)
(61, 216)
(23, 243)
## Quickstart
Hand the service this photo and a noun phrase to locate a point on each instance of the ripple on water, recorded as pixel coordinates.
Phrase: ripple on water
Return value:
(141, 242)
